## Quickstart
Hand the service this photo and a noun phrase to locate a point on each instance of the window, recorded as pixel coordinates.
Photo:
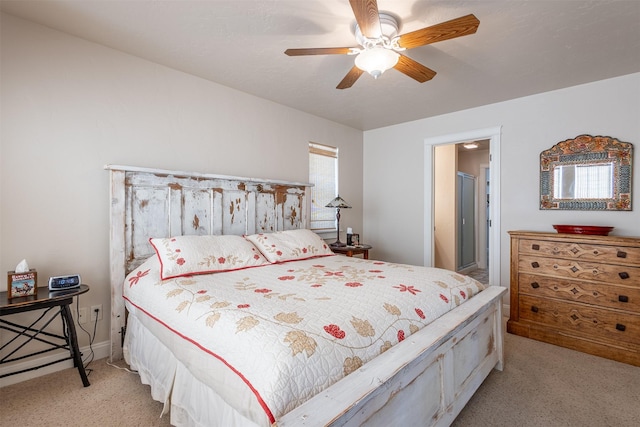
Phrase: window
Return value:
(323, 174)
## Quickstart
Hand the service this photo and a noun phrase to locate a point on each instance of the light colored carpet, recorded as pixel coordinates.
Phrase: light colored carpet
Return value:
(541, 385)
(114, 398)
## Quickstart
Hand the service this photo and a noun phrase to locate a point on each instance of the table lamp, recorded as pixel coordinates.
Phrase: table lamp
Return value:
(338, 203)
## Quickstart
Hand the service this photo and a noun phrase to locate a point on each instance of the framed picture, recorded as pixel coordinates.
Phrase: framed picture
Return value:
(355, 239)
(22, 284)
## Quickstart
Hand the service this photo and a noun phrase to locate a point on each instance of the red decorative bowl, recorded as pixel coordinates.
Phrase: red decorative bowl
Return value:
(583, 229)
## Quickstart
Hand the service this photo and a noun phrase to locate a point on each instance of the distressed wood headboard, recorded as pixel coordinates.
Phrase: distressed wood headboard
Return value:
(149, 203)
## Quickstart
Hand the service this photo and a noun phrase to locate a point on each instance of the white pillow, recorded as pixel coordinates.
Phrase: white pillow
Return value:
(189, 255)
(290, 245)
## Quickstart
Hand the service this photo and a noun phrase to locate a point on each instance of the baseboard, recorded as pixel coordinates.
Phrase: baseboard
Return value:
(100, 351)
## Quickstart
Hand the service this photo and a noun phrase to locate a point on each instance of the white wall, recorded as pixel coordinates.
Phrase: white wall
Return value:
(69, 107)
(394, 201)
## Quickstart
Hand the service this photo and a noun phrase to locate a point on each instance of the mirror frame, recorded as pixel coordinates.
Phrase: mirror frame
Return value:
(587, 149)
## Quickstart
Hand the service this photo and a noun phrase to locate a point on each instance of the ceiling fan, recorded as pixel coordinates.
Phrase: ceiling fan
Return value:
(376, 33)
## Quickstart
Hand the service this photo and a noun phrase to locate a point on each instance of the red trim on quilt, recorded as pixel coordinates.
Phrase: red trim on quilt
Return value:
(262, 403)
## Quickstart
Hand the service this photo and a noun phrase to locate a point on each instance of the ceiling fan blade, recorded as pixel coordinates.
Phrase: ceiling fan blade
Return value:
(350, 78)
(367, 17)
(458, 27)
(414, 69)
(319, 51)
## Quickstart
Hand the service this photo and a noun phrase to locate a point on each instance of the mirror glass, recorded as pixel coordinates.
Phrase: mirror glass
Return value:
(586, 173)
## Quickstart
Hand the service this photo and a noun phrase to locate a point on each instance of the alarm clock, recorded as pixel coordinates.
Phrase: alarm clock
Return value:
(57, 283)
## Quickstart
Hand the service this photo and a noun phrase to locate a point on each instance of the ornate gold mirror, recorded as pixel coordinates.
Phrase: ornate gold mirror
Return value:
(588, 173)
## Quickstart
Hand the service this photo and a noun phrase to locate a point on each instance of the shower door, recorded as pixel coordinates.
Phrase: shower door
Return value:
(466, 253)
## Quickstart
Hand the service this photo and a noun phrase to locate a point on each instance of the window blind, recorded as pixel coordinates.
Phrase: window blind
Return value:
(323, 173)
(594, 181)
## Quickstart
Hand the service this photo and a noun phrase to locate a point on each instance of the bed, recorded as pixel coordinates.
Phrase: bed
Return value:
(169, 312)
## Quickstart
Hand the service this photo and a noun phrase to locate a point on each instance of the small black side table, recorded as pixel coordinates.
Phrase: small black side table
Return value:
(48, 301)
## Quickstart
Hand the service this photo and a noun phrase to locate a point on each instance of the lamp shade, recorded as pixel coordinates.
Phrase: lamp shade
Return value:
(338, 202)
(377, 60)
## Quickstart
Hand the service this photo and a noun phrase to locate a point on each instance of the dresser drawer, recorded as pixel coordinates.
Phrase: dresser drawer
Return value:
(581, 319)
(607, 273)
(604, 295)
(581, 251)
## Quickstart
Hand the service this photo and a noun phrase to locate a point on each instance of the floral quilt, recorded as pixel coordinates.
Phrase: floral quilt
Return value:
(287, 331)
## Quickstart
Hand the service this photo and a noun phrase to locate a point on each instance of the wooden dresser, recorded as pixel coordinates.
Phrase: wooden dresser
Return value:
(577, 291)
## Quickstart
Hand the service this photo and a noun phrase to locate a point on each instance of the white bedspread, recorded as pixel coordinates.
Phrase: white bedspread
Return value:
(278, 334)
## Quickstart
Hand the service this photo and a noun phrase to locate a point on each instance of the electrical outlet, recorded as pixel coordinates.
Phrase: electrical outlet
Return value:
(82, 317)
(96, 312)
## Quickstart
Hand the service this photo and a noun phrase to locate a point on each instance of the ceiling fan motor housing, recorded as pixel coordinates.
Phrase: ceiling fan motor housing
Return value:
(380, 54)
(388, 27)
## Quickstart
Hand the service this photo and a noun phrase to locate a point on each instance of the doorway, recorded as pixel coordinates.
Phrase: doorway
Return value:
(459, 234)
(490, 213)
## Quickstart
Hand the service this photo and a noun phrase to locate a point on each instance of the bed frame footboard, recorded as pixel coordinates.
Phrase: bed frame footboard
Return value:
(426, 380)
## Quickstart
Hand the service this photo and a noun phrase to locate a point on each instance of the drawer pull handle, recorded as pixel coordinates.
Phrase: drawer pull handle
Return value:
(535, 309)
(535, 264)
(620, 327)
(623, 275)
(623, 298)
(621, 254)
(535, 285)
(535, 247)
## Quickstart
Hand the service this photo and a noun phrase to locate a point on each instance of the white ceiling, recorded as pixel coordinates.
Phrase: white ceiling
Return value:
(521, 48)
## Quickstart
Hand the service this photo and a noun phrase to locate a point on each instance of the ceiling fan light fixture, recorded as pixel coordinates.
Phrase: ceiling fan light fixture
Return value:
(376, 60)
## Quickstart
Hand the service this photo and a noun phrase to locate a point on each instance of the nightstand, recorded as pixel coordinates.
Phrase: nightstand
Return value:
(352, 250)
(54, 304)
